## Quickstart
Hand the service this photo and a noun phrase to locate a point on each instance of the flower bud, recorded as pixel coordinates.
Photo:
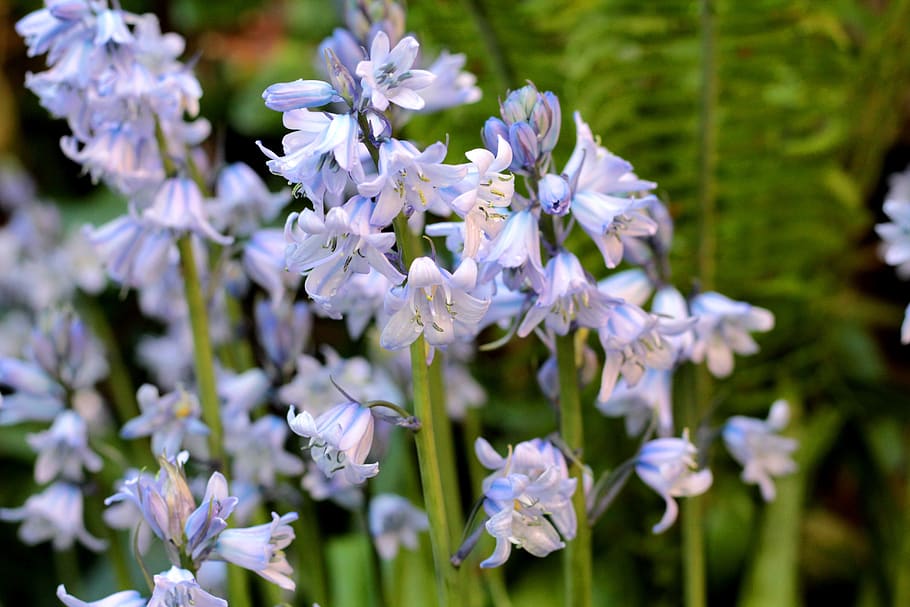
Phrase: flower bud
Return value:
(493, 129)
(340, 77)
(285, 96)
(519, 104)
(525, 149)
(555, 194)
(547, 106)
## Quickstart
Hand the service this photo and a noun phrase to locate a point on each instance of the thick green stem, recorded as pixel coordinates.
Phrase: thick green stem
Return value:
(202, 352)
(443, 432)
(577, 561)
(428, 457)
(693, 557)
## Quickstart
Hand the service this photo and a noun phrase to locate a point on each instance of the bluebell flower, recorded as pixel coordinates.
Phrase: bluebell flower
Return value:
(63, 450)
(242, 201)
(283, 331)
(668, 466)
(205, 524)
(568, 295)
(528, 498)
(434, 303)
(487, 193)
(410, 180)
(257, 451)
(451, 86)
(336, 488)
(264, 264)
(67, 351)
(35, 397)
(124, 598)
(387, 77)
(54, 514)
(177, 587)
(260, 549)
(166, 418)
(394, 522)
(758, 447)
(602, 184)
(329, 249)
(240, 393)
(649, 399)
(634, 341)
(133, 250)
(632, 286)
(723, 326)
(517, 245)
(320, 154)
(340, 440)
(165, 502)
(178, 204)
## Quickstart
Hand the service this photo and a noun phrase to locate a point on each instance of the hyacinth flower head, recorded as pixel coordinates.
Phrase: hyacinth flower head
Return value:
(757, 445)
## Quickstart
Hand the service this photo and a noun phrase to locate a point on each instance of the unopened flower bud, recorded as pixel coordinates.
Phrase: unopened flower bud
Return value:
(285, 96)
(555, 194)
(525, 149)
(493, 129)
(519, 105)
(547, 106)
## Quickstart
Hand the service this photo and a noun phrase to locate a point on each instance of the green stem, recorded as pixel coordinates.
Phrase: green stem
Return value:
(202, 351)
(123, 392)
(693, 524)
(66, 566)
(443, 431)
(707, 150)
(577, 560)
(428, 451)
(311, 555)
(238, 586)
(695, 391)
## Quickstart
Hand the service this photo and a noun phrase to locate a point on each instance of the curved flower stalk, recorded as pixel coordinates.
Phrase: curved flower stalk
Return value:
(758, 447)
(527, 499)
(668, 466)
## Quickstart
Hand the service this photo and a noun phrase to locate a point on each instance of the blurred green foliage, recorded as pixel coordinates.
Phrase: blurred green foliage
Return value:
(811, 114)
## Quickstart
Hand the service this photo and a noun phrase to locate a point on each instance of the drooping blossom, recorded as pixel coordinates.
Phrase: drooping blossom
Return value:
(757, 445)
(668, 466)
(395, 522)
(527, 498)
(723, 326)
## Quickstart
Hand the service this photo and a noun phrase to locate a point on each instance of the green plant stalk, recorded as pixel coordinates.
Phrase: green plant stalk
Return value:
(577, 568)
(428, 458)
(311, 554)
(238, 586)
(693, 523)
(202, 352)
(123, 392)
(443, 432)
